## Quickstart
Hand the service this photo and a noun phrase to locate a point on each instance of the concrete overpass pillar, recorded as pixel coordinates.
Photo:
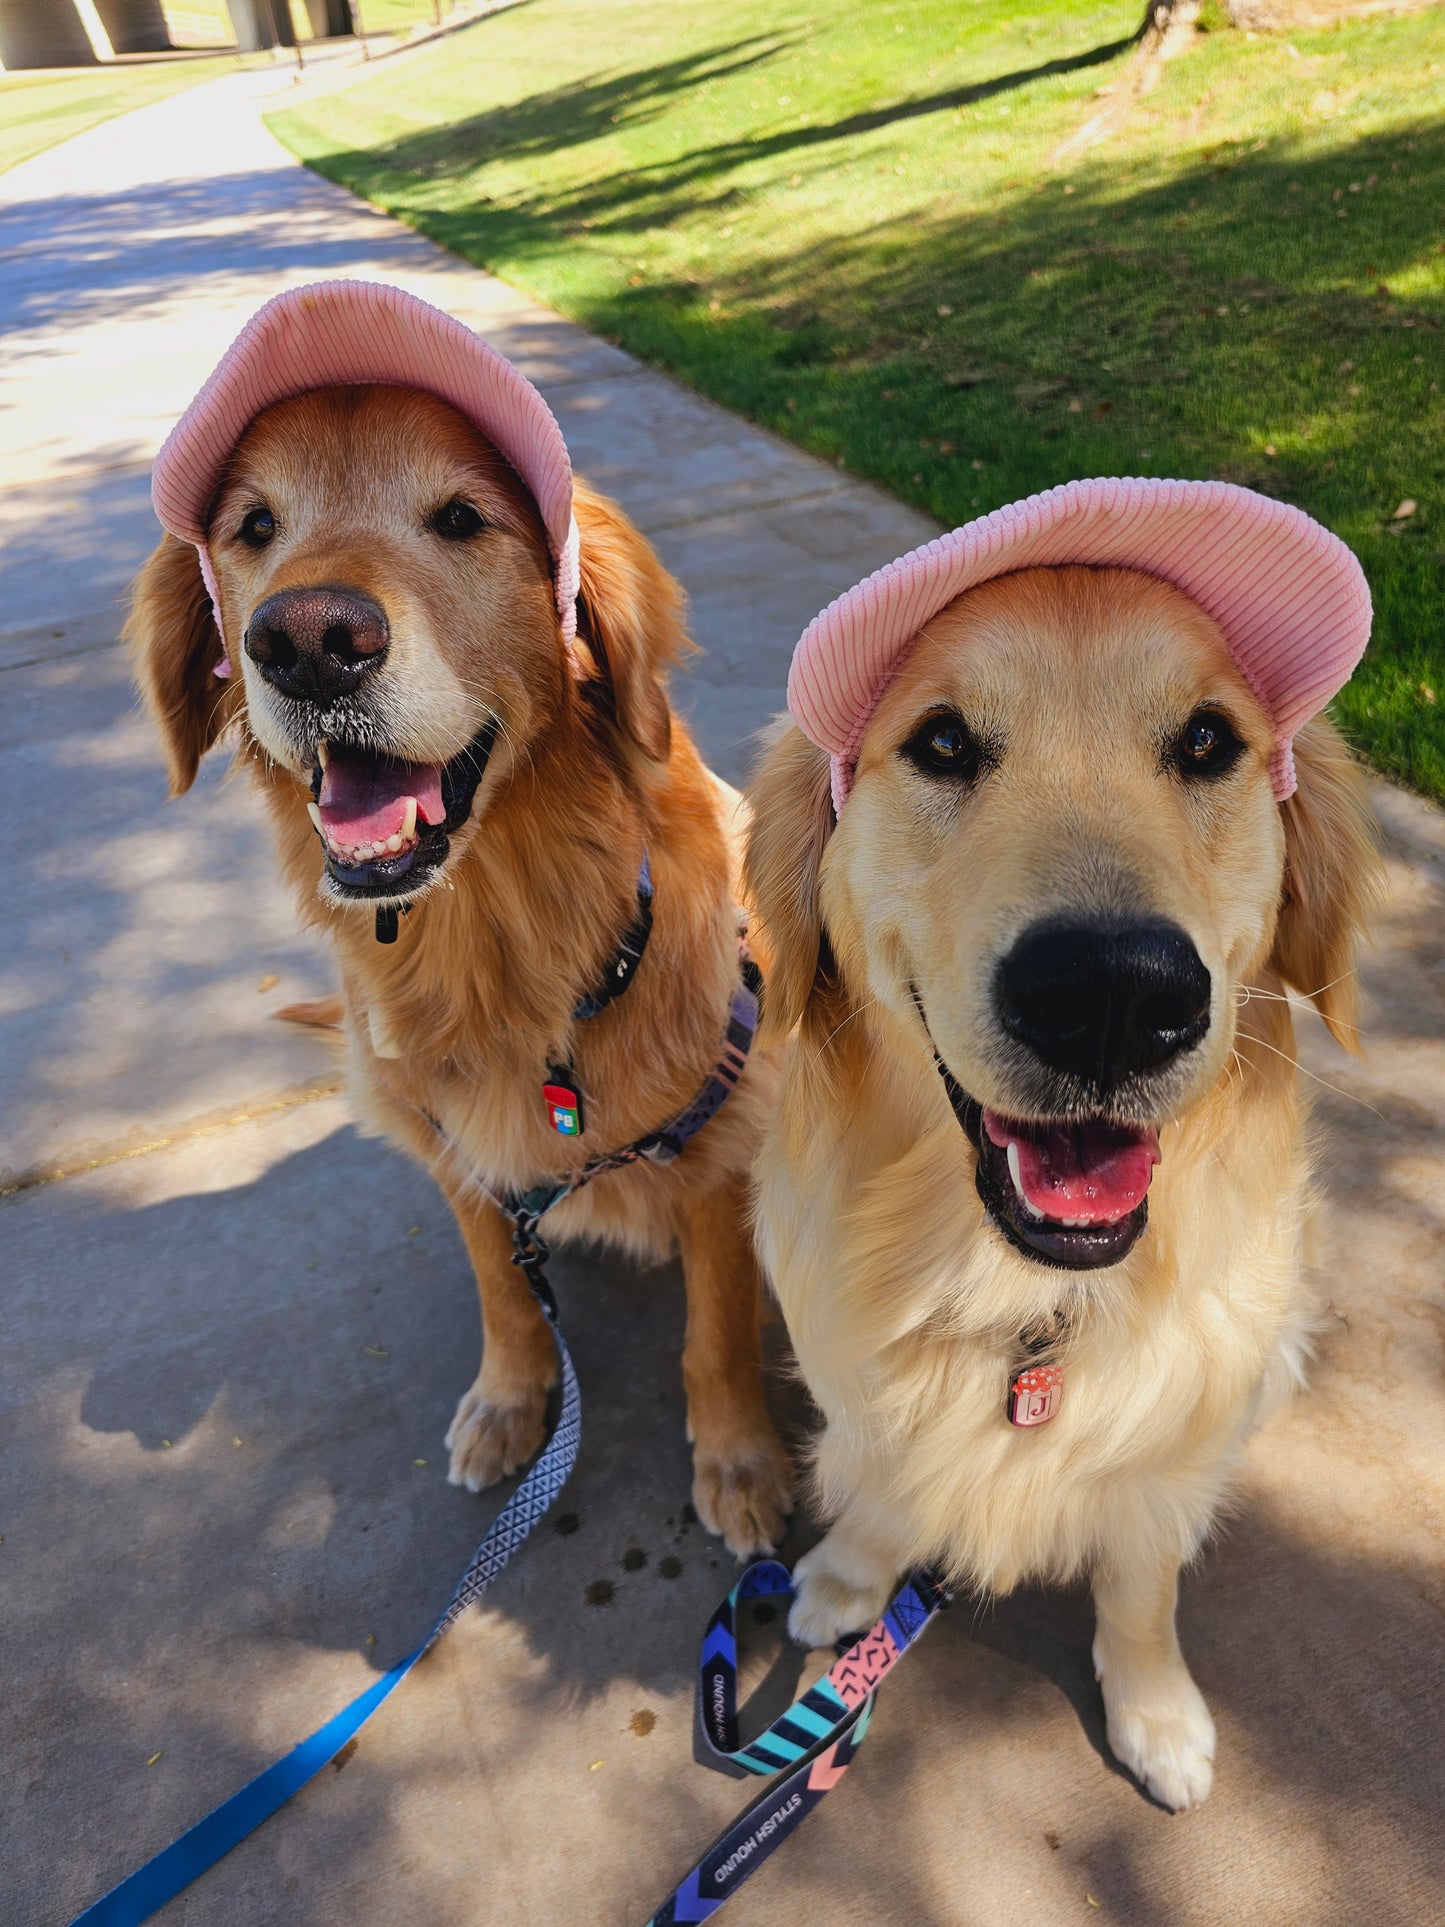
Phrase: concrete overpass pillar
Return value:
(259, 24)
(42, 33)
(330, 18)
(134, 26)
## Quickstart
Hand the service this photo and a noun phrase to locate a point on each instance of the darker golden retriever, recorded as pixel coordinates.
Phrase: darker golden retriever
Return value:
(405, 599)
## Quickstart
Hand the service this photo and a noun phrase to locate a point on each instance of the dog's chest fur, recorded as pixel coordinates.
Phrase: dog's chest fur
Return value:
(906, 1309)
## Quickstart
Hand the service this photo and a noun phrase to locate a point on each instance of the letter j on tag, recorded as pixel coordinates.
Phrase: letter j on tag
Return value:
(1035, 1394)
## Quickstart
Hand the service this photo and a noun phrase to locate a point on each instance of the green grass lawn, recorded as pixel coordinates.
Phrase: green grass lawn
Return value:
(847, 224)
(37, 110)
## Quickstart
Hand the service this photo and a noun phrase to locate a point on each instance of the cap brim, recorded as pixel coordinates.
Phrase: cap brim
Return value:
(1290, 598)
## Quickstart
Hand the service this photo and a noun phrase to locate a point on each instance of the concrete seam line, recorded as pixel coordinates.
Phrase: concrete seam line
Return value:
(730, 511)
(35, 1178)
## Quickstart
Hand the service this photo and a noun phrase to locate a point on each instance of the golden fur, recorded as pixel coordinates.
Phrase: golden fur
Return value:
(459, 1018)
(904, 1302)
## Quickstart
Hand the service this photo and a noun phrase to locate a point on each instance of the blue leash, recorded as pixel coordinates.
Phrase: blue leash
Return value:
(176, 1866)
(186, 1859)
(812, 1745)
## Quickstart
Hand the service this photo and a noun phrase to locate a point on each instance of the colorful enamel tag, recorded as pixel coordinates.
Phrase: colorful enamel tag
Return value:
(1035, 1394)
(564, 1103)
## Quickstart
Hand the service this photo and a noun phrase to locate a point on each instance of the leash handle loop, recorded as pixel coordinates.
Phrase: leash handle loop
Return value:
(819, 1714)
(812, 1745)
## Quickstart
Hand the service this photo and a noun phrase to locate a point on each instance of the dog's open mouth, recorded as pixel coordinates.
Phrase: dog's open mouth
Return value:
(385, 824)
(1072, 1193)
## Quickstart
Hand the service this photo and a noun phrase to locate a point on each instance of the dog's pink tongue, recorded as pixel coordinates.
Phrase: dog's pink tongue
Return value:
(363, 799)
(1097, 1172)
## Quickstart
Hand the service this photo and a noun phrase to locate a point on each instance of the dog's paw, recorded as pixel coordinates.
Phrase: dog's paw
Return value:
(745, 1499)
(1165, 1736)
(828, 1602)
(488, 1439)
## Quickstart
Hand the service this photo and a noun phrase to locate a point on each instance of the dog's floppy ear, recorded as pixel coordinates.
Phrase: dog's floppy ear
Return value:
(629, 618)
(1332, 877)
(174, 648)
(792, 819)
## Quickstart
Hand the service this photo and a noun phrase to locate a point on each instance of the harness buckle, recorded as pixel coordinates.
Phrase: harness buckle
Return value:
(531, 1253)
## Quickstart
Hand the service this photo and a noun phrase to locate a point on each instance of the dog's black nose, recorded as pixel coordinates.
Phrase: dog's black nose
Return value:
(317, 644)
(1102, 1002)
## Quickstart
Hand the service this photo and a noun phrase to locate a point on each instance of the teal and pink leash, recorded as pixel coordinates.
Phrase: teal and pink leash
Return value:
(811, 1746)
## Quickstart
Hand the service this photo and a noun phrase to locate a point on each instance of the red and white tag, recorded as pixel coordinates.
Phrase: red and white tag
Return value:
(1035, 1394)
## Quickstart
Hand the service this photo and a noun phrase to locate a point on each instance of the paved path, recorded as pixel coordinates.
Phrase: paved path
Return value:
(228, 1362)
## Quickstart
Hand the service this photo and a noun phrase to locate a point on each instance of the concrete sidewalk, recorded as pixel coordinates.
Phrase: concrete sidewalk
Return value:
(229, 1359)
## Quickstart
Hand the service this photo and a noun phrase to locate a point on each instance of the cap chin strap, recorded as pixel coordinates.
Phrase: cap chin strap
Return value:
(208, 576)
(567, 576)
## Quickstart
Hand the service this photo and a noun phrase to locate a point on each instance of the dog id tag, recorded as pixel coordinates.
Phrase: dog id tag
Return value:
(564, 1103)
(1035, 1393)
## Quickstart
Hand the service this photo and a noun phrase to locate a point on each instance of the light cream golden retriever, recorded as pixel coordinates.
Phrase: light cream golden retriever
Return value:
(1061, 879)
(387, 597)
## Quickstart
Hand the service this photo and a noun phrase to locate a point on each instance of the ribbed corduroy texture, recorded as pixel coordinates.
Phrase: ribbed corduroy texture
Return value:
(1290, 598)
(335, 332)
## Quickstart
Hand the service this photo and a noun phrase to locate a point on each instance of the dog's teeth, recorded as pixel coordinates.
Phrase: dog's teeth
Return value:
(408, 822)
(1014, 1170)
(393, 844)
(322, 754)
(1016, 1174)
(315, 815)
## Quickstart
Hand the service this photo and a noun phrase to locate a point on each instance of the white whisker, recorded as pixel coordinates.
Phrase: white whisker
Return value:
(1324, 1082)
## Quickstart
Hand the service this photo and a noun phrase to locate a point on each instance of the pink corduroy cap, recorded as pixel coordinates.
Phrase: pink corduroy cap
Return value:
(1290, 598)
(339, 332)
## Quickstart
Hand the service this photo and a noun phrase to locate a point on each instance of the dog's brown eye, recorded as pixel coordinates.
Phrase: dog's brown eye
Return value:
(1207, 744)
(458, 521)
(943, 745)
(258, 528)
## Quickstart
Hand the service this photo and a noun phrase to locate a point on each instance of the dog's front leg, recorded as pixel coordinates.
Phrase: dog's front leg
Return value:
(742, 1480)
(502, 1419)
(1158, 1723)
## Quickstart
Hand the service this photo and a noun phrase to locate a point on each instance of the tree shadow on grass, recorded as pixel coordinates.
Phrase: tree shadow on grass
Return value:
(1219, 321)
(578, 113)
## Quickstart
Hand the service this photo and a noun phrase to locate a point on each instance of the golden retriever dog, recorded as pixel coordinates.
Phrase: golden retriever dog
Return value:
(387, 599)
(1044, 949)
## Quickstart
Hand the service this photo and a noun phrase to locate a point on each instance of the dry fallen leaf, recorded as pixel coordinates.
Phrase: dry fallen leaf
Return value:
(1270, 449)
(418, 1461)
(1405, 510)
(269, 981)
(153, 1758)
(1076, 407)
